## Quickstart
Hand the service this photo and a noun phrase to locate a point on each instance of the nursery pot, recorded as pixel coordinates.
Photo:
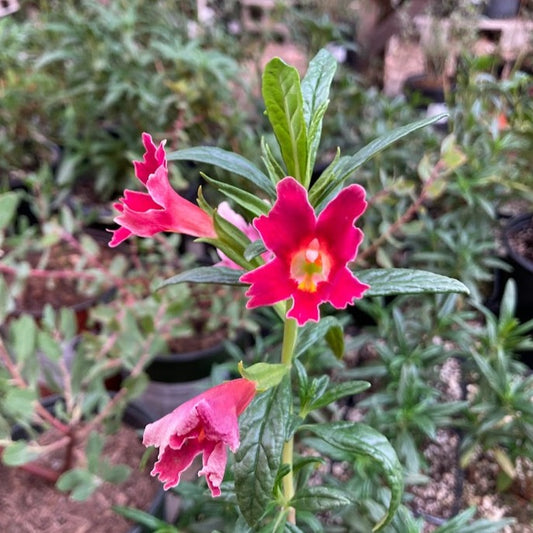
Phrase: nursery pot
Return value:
(178, 377)
(502, 9)
(134, 416)
(518, 242)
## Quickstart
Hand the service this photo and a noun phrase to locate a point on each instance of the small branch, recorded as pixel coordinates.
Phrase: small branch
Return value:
(403, 219)
(42, 471)
(20, 382)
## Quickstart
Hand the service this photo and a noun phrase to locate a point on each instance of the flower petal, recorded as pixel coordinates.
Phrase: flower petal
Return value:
(305, 307)
(270, 283)
(345, 288)
(335, 225)
(172, 463)
(290, 221)
(214, 462)
(153, 158)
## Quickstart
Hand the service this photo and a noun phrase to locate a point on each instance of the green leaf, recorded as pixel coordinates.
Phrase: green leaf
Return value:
(24, 333)
(320, 498)
(221, 275)
(348, 388)
(248, 201)
(346, 166)
(19, 453)
(8, 205)
(254, 249)
(335, 339)
(266, 375)
(360, 439)
(315, 92)
(226, 160)
(146, 519)
(391, 281)
(312, 333)
(80, 483)
(262, 429)
(18, 403)
(284, 107)
(49, 346)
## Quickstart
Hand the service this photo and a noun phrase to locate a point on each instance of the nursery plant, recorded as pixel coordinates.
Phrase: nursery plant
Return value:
(296, 252)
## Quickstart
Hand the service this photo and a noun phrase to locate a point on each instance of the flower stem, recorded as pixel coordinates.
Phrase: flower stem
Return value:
(290, 334)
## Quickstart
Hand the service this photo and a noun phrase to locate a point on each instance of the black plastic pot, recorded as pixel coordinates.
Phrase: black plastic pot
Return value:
(178, 377)
(502, 9)
(522, 267)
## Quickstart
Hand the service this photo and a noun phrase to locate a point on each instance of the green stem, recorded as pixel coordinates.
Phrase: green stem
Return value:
(290, 334)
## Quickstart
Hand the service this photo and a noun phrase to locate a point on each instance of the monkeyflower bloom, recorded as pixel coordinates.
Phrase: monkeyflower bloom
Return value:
(161, 208)
(310, 254)
(204, 425)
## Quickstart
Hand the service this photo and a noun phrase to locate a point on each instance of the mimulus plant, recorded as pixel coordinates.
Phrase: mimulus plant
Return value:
(293, 246)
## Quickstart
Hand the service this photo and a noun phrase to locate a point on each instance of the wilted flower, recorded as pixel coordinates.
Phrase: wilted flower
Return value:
(204, 425)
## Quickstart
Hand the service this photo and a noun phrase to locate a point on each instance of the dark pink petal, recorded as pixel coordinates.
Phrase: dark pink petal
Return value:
(184, 216)
(119, 235)
(153, 158)
(335, 225)
(214, 466)
(290, 221)
(139, 201)
(171, 463)
(270, 283)
(345, 288)
(305, 307)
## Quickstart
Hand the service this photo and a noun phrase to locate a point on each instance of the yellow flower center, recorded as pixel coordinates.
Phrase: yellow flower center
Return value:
(310, 266)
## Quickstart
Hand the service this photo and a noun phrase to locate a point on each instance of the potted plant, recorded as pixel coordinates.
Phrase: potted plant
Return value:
(186, 330)
(73, 455)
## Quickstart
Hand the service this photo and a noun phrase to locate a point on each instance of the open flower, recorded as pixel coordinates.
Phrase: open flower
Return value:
(161, 208)
(310, 253)
(204, 425)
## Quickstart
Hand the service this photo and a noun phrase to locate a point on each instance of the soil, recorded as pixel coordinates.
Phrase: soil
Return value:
(62, 292)
(31, 504)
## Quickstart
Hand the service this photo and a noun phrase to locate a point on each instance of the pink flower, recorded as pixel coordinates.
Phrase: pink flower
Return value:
(202, 425)
(310, 253)
(162, 208)
(227, 213)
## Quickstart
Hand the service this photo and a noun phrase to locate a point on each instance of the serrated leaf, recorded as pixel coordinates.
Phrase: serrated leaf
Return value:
(284, 107)
(262, 428)
(346, 166)
(229, 161)
(19, 453)
(315, 92)
(248, 201)
(320, 498)
(360, 439)
(393, 281)
(348, 388)
(220, 275)
(312, 333)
